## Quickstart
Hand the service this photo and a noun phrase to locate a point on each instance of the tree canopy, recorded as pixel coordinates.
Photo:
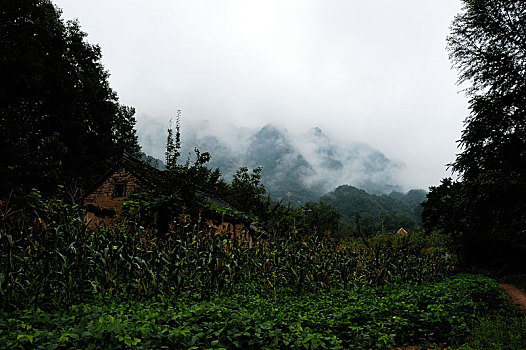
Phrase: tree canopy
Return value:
(487, 45)
(60, 122)
(385, 212)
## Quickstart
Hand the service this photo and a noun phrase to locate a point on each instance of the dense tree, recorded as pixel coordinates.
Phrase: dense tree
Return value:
(385, 212)
(444, 208)
(247, 191)
(60, 121)
(321, 218)
(487, 45)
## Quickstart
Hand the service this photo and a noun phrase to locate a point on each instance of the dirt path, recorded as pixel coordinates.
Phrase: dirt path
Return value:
(518, 296)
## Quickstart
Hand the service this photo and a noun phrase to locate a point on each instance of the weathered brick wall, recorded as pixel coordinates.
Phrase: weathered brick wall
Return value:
(103, 196)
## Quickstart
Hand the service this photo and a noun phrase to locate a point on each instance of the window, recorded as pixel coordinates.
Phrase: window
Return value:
(119, 190)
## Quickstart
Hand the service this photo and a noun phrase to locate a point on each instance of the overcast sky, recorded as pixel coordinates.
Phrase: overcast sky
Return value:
(372, 71)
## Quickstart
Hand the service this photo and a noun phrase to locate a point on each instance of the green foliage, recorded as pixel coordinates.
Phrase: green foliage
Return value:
(444, 207)
(151, 210)
(60, 120)
(498, 332)
(321, 217)
(185, 181)
(63, 285)
(377, 213)
(37, 263)
(373, 318)
(49, 258)
(229, 212)
(173, 146)
(247, 190)
(487, 205)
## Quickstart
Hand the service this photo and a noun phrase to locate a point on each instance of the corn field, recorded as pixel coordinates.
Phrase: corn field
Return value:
(50, 257)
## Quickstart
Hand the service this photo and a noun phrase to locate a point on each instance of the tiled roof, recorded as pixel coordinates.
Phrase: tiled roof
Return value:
(145, 172)
(217, 201)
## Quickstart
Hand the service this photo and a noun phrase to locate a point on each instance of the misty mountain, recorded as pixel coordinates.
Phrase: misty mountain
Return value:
(152, 161)
(301, 169)
(296, 167)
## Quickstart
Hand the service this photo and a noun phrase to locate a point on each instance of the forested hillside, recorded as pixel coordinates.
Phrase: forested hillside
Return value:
(388, 212)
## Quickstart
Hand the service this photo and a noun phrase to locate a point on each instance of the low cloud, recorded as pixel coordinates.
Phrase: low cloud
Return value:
(310, 158)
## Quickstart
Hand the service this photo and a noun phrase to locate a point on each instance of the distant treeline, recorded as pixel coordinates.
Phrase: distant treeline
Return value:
(377, 212)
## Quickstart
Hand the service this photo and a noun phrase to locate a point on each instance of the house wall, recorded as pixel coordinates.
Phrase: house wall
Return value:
(102, 207)
(233, 230)
(103, 197)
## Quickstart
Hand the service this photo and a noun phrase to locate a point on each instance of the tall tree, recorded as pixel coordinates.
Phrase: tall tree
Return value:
(59, 119)
(321, 218)
(173, 146)
(487, 45)
(248, 191)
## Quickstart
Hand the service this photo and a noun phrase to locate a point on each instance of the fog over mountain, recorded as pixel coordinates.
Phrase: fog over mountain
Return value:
(375, 72)
(297, 165)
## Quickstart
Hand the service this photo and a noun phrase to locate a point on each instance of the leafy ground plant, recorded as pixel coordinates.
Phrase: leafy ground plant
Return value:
(364, 318)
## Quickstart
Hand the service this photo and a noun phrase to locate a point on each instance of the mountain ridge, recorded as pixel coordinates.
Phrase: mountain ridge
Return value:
(295, 168)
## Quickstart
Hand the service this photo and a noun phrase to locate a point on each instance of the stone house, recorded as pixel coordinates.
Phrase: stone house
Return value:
(220, 217)
(104, 201)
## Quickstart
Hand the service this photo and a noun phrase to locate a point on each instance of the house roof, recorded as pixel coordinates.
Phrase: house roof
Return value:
(149, 175)
(401, 231)
(145, 172)
(217, 201)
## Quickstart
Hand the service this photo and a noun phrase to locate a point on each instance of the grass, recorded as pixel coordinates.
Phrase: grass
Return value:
(497, 332)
